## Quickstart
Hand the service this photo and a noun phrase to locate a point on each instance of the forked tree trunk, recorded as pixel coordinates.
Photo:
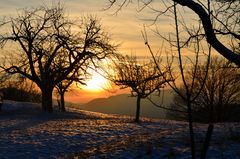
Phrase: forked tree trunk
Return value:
(47, 100)
(138, 109)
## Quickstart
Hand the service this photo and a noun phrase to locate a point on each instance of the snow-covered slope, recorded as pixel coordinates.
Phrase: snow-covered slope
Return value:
(26, 132)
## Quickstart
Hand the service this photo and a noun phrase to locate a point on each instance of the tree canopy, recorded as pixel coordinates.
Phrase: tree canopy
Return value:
(50, 47)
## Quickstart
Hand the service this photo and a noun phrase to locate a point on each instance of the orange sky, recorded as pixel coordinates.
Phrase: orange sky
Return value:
(84, 96)
(125, 29)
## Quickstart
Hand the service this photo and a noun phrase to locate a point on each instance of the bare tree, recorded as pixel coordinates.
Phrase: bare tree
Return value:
(77, 76)
(43, 35)
(189, 93)
(64, 86)
(218, 19)
(221, 90)
(141, 77)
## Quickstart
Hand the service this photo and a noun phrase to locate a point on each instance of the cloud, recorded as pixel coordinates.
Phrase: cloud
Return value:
(125, 27)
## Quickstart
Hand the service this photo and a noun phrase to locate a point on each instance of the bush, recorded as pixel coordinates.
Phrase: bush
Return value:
(22, 90)
(16, 94)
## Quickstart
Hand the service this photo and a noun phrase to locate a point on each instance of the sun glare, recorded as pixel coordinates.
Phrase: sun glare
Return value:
(97, 83)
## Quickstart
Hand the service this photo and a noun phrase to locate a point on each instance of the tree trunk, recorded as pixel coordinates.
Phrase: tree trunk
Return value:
(62, 102)
(138, 109)
(47, 100)
(207, 141)
(209, 132)
(191, 132)
(1, 100)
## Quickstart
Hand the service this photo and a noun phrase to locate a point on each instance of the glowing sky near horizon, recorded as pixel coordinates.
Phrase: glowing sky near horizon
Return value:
(125, 27)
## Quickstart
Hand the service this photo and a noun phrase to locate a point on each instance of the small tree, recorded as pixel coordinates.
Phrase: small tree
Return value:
(78, 75)
(64, 86)
(61, 88)
(189, 94)
(142, 78)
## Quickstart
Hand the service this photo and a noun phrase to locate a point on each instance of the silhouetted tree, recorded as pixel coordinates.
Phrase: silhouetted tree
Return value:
(78, 76)
(142, 78)
(41, 36)
(225, 16)
(184, 63)
(220, 92)
(64, 86)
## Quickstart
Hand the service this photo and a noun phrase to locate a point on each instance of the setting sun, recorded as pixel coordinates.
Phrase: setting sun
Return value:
(97, 83)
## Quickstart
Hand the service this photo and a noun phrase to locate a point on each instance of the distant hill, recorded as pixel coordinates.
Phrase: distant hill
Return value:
(125, 105)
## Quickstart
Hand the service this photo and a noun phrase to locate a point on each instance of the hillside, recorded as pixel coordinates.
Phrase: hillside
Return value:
(125, 105)
(27, 132)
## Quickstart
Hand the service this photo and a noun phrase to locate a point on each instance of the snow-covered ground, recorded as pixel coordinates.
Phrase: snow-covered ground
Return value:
(26, 132)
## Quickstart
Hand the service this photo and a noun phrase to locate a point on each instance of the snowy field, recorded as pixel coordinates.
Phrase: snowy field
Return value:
(27, 133)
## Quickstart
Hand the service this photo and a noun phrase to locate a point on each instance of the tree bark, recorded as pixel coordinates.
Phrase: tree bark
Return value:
(138, 109)
(47, 100)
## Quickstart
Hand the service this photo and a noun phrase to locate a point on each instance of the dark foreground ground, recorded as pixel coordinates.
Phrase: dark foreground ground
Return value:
(26, 132)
